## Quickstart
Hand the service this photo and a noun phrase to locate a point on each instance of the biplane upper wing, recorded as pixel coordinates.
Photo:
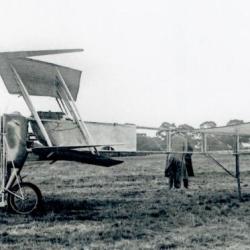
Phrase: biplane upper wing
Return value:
(39, 78)
(18, 54)
(239, 129)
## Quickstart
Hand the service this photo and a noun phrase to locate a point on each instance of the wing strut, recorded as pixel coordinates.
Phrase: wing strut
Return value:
(27, 99)
(73, 109)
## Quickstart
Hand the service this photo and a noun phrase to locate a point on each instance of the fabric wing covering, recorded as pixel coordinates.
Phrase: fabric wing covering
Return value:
(40, 78)
(240, 129)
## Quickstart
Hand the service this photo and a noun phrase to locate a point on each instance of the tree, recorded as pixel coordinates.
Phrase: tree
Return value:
(185, 127)
(167, 125)
(234, 122)
(208, 124)
(162, 132)
(146, 143)
(230, 140)
(214, 142)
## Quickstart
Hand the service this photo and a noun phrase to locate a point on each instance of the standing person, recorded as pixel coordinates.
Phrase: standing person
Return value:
(188, 161)
(175, 163)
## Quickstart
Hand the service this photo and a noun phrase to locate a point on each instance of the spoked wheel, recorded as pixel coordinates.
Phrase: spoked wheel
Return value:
(25, 199)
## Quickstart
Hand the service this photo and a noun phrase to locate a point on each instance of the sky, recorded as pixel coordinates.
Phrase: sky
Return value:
(144, 61)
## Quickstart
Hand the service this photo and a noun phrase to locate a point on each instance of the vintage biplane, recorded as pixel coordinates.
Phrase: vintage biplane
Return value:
(62, 135)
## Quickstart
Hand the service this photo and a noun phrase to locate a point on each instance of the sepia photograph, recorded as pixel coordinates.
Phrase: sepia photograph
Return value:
(125, 124)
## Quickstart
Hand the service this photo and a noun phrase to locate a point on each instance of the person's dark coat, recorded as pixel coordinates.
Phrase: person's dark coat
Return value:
(188, 161)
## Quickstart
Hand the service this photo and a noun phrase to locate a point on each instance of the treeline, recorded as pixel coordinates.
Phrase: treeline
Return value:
(159, 141)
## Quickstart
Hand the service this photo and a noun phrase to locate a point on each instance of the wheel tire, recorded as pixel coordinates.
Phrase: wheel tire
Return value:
(32, 198)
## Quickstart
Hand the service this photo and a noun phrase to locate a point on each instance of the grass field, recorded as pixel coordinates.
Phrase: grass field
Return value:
(130, 207)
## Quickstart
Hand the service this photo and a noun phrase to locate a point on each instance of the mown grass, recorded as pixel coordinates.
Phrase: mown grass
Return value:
(130, 207)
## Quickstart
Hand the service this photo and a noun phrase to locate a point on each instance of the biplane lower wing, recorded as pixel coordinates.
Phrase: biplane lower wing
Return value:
(56, 148)
(69, 154)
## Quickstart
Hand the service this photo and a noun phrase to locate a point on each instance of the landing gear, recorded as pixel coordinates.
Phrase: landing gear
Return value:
(24, 198)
